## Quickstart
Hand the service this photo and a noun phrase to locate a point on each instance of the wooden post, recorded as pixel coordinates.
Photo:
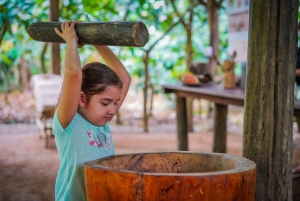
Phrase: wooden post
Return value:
(220, 128)
(55, 51)
(269, 97)
(182, 127)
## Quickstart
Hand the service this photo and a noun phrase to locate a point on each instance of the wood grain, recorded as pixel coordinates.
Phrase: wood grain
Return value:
(170, 176)
(268, 118)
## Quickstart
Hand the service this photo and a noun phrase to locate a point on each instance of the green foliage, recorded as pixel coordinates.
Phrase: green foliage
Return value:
(167, 59)
(13, 16)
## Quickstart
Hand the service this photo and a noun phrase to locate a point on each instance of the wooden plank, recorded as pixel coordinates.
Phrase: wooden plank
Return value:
(133, 34)
(269, 102)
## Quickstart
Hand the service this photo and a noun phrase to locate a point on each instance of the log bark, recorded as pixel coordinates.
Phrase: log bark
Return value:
(269, 100)
(170, 176)
(134, 34)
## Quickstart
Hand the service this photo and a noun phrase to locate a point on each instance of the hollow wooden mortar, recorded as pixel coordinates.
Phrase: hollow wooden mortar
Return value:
(170, 176)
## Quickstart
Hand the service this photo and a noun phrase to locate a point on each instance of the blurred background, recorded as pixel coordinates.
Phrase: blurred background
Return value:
(182, 34)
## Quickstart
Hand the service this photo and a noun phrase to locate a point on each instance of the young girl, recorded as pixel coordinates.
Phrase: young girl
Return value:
(90, 97)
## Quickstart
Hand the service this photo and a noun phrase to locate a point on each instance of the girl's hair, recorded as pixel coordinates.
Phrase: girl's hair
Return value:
(96, 77)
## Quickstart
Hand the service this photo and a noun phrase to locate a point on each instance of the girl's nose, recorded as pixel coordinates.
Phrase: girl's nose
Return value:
(112, 110)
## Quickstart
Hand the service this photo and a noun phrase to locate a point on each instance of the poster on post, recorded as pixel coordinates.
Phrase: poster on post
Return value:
(237, 6)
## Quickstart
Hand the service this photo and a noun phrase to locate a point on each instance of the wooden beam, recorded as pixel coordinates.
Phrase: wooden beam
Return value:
(133, 34)
(269, 101)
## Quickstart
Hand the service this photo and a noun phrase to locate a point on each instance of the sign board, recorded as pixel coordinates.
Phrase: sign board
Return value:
(237, 6)
(238, 17)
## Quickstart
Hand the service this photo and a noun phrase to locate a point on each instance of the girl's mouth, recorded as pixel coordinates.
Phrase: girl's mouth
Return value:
(107, 118)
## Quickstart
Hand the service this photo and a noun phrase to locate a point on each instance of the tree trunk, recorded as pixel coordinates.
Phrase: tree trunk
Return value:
(25, 74)
(145, 90)
(133, 34)
(269, 95)
(151, 99)
(55, 51)
(16, 76)
(42, 57)
(213, 21)
(189, 59)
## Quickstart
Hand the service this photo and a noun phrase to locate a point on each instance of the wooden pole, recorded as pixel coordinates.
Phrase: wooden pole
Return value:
(133, 34)
(269, 97)
(220, 128)
(182, 127)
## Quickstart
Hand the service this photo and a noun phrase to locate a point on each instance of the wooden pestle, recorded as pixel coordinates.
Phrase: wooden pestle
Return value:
(134, 34)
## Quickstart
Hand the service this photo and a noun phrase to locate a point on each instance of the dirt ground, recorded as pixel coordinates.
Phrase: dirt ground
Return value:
(28, 169)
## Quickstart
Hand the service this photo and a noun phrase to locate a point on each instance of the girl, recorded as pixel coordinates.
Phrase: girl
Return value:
(90, 97)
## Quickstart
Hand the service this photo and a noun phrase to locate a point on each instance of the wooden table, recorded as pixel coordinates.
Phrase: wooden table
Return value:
(221, 98)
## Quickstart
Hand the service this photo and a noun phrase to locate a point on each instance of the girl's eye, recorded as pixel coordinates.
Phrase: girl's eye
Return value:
(105, 104)
(116, 104)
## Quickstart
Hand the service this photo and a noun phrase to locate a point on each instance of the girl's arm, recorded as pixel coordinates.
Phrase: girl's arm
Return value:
(115, 64)
(70, 93)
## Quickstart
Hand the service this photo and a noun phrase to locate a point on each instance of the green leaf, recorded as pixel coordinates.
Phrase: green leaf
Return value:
(13, 12)
(5, 59)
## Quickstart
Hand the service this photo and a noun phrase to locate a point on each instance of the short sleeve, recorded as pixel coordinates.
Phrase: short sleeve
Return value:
(57, 127)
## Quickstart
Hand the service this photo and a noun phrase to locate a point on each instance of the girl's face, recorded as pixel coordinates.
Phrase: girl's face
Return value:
(102, 107)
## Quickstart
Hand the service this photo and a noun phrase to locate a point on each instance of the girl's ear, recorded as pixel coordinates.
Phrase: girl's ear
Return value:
(82, 99)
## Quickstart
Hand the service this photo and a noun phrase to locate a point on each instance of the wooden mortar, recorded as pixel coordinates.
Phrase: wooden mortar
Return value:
(170, 176)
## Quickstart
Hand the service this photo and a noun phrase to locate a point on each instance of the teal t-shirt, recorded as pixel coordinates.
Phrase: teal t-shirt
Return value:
(80, 142)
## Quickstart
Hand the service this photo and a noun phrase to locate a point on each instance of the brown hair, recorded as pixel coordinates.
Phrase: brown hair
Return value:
(96, 77)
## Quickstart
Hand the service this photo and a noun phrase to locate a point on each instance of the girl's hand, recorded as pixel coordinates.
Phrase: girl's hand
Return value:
(78, 45)
(68, 32)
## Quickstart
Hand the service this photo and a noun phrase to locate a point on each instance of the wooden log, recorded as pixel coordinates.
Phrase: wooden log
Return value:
(168, 176)
(133, 34)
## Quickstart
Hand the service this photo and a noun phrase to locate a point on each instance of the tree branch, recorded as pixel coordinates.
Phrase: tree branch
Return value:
(169, 29)
(219, 4)
(191, 17)
(178, 14)
(203, 3)
(3, 31)
(127, 10)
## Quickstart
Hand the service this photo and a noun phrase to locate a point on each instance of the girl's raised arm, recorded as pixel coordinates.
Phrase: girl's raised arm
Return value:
(70, 93)
(116, 65)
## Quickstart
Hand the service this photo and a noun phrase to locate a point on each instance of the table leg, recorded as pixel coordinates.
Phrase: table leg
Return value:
(182, 125)
(220, 128)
